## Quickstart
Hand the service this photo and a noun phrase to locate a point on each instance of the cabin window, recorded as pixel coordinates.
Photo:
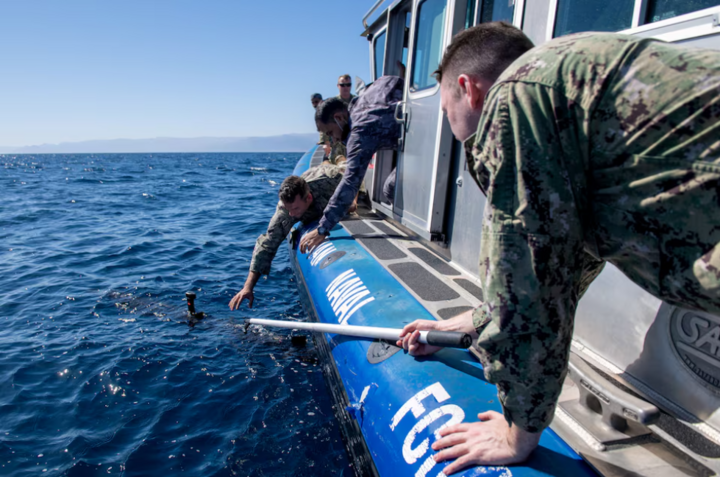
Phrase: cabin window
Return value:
(497, 10)
(406, 39)
(592, 15)
(379, 54)
(663, 9)
(470, 14)
(427, 52)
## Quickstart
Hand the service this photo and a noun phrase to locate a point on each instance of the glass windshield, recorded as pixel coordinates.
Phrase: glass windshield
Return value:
(663, 9)
(497, 10)
(428, 43)
(379, 54)
(592, 15)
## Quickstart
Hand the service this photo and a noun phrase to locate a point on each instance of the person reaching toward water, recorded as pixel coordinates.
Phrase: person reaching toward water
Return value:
(368, 126)
(302, 199)
(591, 148)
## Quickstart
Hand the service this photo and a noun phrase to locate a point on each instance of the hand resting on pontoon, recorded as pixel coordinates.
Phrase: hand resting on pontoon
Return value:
(492, 440)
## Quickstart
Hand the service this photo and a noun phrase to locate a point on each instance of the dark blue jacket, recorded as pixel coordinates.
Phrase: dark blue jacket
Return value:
(372, 128)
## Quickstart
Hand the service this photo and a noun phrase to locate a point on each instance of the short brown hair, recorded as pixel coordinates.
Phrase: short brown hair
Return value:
(485, 50)
(291, 187)
(344, 77)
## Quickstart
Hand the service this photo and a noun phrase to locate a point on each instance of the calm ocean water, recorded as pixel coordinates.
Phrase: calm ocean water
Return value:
(100, 373)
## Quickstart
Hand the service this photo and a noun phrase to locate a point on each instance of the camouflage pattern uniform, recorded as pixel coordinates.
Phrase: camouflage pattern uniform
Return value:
(372, 128)
(346, 101)
(339, 151)
(322, 180)
(591, 148)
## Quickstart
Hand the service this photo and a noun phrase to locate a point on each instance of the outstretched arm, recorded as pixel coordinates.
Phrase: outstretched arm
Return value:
(362, 144)
(246, 292)
(266, 247)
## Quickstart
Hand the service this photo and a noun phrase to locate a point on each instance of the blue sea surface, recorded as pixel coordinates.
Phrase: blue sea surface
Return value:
(100, 373)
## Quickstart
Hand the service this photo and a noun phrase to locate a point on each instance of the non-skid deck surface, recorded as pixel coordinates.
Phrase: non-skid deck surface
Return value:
(473, 289)
(442, 288)
(440, 265)
(422, 282)
(446, 313)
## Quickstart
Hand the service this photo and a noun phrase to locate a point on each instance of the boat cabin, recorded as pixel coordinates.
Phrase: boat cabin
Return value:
(632, 353)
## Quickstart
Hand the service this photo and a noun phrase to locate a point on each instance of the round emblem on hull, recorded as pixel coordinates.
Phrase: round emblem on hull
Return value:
(696, 340)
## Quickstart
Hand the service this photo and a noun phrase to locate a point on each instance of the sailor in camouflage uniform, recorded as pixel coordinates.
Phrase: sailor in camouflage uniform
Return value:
(591, 148)
(366, 128)
(338, 153)
(302, 199)
(344, 86)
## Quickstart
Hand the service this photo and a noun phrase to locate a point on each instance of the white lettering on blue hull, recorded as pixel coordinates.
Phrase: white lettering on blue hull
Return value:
(345, 294)
(321, 252)
(418, 409)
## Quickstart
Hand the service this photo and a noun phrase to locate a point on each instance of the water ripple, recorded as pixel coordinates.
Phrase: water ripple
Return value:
(100, 372)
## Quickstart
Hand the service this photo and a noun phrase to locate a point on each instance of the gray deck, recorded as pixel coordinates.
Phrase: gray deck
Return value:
(442, 288)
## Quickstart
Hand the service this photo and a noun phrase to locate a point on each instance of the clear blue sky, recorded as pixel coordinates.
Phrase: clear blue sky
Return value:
(73, 70)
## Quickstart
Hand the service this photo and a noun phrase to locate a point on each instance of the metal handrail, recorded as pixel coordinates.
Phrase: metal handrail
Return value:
(370, 12)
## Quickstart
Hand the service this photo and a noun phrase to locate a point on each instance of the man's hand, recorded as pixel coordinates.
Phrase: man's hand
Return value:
(488, 442)
(411, 334)
(311, 240)
(241, 295)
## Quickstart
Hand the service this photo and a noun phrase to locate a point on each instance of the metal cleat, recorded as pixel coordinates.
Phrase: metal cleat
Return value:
(608, 413)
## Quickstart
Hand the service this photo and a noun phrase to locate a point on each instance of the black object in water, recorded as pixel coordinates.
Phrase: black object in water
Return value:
(193, 316)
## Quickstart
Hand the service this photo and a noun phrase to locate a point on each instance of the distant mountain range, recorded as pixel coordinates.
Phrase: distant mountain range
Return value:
(283, 143)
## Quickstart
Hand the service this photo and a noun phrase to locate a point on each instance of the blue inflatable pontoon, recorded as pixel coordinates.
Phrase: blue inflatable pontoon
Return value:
(391, 405)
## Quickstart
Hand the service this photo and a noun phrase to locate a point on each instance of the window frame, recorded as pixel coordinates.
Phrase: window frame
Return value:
(382, 31)
(639, 13)
(518, 13)
(429, 91)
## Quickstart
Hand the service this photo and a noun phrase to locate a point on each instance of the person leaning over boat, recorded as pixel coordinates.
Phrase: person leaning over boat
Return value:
(591, 148)
(338, 153)
(367, 127)
(302, 199)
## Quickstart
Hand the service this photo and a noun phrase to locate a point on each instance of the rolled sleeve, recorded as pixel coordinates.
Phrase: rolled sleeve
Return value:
(531, 254)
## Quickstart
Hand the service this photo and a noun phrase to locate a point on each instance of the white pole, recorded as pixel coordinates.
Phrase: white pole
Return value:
(452, 339)
(390, 334)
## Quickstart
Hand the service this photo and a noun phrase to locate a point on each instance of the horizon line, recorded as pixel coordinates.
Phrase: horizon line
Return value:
(45, 144)
(154, 152)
